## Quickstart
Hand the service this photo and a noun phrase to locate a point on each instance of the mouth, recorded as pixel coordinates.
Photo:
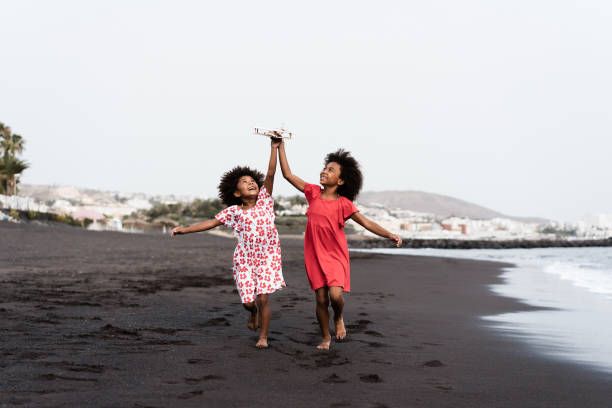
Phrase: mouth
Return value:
(252, 188)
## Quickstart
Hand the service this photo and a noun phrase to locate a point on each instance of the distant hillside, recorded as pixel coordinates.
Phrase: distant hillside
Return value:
(440, 205)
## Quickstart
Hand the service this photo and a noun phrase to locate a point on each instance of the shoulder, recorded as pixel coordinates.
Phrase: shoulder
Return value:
(229, 210)
(311, 192)
(263, 193)
(347, 205)
(228, 215)
(312, 188)
(345, 201)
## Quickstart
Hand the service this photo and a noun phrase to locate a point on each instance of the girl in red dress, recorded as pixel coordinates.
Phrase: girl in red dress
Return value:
(325, 249)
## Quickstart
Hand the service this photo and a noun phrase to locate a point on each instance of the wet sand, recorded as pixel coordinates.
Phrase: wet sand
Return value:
(104, 319)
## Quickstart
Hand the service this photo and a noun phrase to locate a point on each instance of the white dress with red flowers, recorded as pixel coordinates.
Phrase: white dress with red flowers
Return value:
(257, 257)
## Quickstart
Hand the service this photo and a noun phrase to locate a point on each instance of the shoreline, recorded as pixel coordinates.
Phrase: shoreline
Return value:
(141, 320)
(574, 295)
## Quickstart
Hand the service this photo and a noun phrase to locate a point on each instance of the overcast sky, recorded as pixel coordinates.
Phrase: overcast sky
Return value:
(507, 104)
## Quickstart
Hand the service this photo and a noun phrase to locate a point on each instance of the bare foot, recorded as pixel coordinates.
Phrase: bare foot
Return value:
(340, 329)
(262, 343)
(253, 322)
(325, 343)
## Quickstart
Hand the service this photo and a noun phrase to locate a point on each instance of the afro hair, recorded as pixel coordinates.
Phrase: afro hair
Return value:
(349, 172)
(229, 181)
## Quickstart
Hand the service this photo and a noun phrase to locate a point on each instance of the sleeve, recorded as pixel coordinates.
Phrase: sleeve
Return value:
(264, 199)
(347, 208)
(311, 191)
(227, 217)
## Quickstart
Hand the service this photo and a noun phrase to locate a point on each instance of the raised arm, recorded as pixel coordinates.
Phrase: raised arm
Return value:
(200, 226)
(269, 181)
(290, 177)
(376, 229)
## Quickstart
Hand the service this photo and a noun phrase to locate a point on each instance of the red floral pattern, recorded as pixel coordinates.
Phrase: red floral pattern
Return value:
(257, 257)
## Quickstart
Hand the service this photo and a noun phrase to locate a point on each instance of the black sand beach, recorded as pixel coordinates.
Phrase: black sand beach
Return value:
(101, 319)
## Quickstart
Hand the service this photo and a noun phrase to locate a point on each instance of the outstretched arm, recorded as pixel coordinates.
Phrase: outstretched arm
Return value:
(376, 229)
(269, 181)
(200, 226)
(290, 177)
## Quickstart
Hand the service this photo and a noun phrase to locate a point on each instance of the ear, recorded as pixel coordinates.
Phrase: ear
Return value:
(340, 182)
(236, 193)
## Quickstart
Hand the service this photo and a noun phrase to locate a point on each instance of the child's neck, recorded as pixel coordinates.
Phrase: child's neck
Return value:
(249, 203)
(330, 193)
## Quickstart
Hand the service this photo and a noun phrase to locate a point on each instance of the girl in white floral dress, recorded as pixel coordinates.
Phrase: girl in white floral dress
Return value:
(257, 257)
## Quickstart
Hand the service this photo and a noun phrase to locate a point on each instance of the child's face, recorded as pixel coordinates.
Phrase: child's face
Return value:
(246, 187)
(330, 175)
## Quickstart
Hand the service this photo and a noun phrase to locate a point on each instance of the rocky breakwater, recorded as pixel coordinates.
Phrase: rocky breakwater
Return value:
(478, 244)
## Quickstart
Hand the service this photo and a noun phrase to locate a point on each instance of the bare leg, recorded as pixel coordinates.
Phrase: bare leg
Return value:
(337, 303)
(252, 308)
(322, 299)
(263, 303)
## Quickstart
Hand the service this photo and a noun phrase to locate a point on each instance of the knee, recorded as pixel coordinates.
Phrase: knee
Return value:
(336, 299)
(263, 300)
(249, 305)
(322, 301)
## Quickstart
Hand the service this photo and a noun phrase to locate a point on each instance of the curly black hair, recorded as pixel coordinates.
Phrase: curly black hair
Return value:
(229, 181)
(349, 172)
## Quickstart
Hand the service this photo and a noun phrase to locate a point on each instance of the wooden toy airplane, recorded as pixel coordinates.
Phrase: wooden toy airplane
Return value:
(278, 133)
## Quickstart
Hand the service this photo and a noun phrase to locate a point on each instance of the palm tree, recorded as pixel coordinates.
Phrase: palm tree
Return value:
(10, 166)
(10, 143)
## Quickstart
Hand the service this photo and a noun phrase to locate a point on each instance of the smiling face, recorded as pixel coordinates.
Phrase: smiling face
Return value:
(246, 187)
(330, 175)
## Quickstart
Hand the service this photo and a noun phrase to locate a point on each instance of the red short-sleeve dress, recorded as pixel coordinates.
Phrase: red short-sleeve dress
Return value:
(325, 249)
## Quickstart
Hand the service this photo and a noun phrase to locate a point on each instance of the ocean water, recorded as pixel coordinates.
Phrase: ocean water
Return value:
(574, 284)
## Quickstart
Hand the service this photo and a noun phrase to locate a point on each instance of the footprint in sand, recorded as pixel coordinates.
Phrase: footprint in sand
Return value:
(440, 384)
(329, 359)
(217, 321)
(191, 394)
(334, 379)
(162, 330)
(371, 378)
(433, 363)
(53, 377)
(198, 361)
(193, 381)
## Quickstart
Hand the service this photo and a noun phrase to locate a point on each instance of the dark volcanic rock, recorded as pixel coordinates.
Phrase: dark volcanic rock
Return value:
(479, 244)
